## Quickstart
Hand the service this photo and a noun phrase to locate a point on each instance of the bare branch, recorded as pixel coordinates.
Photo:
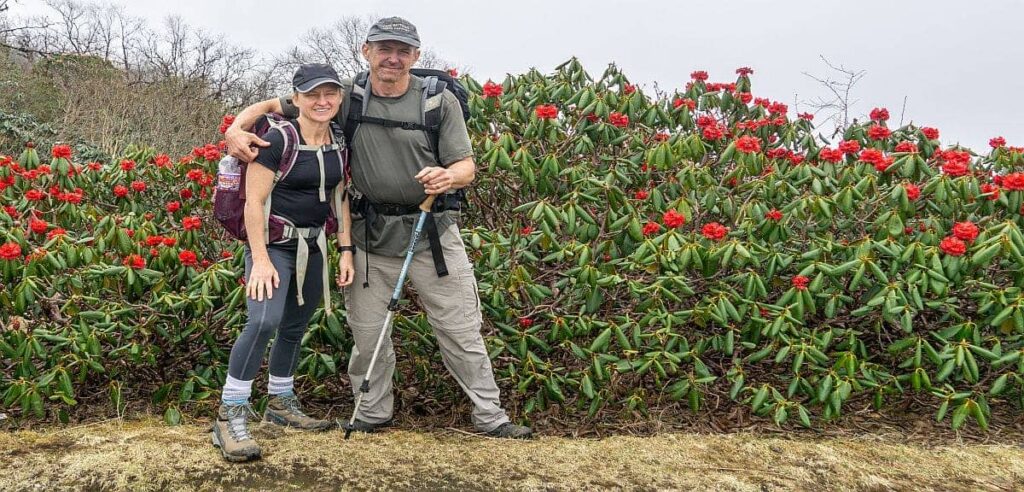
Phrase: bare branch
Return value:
(836, 108)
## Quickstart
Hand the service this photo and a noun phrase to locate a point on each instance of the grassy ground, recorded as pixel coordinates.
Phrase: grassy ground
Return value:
(147, 455)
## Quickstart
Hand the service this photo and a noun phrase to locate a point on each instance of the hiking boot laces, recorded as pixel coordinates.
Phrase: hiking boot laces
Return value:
(291, 404)
(237, 420)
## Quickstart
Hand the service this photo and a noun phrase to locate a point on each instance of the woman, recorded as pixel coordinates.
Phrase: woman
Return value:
(279, 299)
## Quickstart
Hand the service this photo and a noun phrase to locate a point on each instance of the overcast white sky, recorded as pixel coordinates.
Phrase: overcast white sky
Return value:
(961, 63)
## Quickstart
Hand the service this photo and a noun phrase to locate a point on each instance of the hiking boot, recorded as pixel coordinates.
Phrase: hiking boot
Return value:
(230, 433)
(286, 411)
(508, 430)
(361, 426)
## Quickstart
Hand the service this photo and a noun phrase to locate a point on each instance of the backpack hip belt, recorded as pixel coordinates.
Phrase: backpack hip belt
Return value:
(449, 201)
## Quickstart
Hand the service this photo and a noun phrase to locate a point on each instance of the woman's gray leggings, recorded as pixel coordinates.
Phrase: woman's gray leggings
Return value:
(281, 314)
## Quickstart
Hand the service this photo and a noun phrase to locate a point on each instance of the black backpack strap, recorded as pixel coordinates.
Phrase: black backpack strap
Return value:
(356, 105)
(433, 100)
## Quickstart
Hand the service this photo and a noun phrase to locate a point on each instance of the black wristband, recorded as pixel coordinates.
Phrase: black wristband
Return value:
(351, 248)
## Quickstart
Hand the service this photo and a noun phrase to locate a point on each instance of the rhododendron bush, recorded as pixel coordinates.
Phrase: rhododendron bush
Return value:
(633, 253)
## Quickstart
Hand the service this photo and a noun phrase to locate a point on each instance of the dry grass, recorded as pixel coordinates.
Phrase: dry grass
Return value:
(146, 455)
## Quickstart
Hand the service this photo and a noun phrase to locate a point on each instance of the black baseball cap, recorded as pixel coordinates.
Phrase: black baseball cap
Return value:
(313, 75)
(394, 29)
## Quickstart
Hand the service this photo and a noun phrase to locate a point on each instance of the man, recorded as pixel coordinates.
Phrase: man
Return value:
(393, 170)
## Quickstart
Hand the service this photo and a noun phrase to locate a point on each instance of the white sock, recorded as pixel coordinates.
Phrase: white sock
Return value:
(278, 386)
(236, 390)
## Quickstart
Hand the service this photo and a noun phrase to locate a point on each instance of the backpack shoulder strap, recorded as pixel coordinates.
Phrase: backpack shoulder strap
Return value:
(433, 100)
(290, 151)
(356, 105)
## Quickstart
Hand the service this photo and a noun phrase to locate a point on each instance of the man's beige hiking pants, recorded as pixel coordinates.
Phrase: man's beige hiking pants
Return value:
(452, 306)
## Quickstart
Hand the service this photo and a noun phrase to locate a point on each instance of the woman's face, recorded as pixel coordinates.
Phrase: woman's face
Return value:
(319, 104)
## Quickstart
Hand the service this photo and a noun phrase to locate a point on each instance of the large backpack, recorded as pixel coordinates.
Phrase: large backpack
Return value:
(229, 196)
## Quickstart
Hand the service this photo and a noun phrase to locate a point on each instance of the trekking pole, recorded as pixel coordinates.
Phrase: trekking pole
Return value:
(392, 308)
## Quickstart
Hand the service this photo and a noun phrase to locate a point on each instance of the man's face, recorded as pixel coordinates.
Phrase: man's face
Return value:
(390, 61)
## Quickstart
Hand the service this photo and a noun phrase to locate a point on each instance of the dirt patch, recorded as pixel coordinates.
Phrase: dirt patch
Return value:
(147, 455)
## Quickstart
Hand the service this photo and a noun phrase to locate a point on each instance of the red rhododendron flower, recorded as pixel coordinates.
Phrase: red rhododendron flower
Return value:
(748, 144)
(661, 136)
(546, 111)
(135, 262)
(744, 71)
(651, 228)
(57, 231)
(830, 155)
(953, 246)
(699, 75)
(226, 122)
(689, 103)
(773, 214)
(185, 193)
(190, 223)
(712, 132)
(673, 219)
(618, 119)
(61, 152)
(908, 230)
(745, 97)
(640, 195)
(38, 226)
(965, 231)
(226, 255)
(805, 116)
(139, 186)
(913, 192)
(714, 231)
(628, 89)
(1013, 181)
(492, 90)
(120, 191)
(34, 195)
(127, 165)
(930, 133)
(10, 251)
(878, 132)
(872, 156)
(906, 147)
(94, 166)
(525, 322)
(593, 118)
(879, 114)
(778, 108)
(173, 206)
(162, 161)
(194, 174)
(955, 168)
(849, 146)
(170, 241)
(154, 252)
(10, 210)
(997, 142)
(188, 258)
(526, 230)
(800, 282)
(152, 241)
(991, 190)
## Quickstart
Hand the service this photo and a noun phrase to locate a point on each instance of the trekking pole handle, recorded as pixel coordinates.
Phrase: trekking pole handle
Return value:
(429, 202)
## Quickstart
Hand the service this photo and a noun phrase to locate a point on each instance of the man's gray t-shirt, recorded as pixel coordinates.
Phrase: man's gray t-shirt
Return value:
(385, 161)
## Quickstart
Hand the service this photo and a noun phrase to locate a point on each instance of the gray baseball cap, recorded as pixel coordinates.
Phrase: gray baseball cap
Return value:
(394, 29)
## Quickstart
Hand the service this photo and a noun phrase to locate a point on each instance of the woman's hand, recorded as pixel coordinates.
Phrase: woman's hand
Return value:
(262, 278)
(346, 269)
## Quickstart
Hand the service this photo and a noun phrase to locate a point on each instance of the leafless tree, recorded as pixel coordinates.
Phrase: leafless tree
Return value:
(840, 83)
